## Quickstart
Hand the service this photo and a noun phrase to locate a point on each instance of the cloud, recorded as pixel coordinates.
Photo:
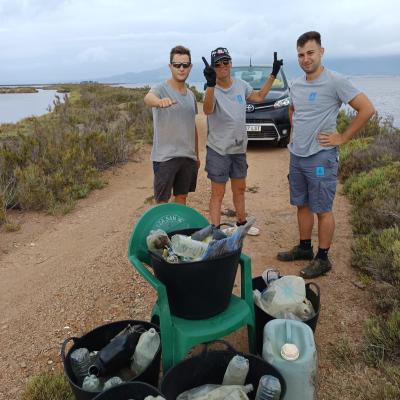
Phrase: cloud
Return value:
(93, 55)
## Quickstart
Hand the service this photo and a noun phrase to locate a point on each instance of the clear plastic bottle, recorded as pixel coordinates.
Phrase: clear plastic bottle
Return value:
(114, 381)
(236, 371)
(91, 383)
(80, 363)
(184, 246)
(269, 388)
(146, 349)
(212, 391)
(232, 243)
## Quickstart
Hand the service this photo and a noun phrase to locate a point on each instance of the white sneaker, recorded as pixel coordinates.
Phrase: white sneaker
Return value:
(253, 231)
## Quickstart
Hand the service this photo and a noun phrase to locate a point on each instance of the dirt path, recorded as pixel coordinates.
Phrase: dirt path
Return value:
(61, 276)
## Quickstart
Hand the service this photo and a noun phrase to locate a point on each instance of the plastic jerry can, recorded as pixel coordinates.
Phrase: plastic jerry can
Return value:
(290, 347)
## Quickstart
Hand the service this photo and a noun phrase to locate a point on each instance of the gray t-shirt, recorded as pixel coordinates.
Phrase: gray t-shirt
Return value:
(316, 105)
(174, 127)
(227, 124)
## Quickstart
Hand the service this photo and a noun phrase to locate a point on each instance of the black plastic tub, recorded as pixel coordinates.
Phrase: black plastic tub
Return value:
(210, 367)
(312, 294)
(96, 340)
(131, 390)
(200, 289)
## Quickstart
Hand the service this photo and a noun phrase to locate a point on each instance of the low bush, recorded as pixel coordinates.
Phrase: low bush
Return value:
(47, 163)
(48, 386)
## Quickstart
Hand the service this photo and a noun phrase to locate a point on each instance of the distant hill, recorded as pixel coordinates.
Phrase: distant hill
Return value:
(388, 65)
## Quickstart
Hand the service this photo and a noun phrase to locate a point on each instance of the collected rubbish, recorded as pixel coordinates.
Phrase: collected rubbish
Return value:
(289, 346)
(127, 355)
(284, 297)
(217, 392)
(146, 349)
(236, 371)
(206, 244)
(80, 363)
(269, 388)
(117, 353)
(114, 381)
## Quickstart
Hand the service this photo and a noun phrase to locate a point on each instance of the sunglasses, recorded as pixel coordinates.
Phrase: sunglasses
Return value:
(182, 64)
(219, 63)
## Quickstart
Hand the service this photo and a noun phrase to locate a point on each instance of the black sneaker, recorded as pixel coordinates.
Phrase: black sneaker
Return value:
(316, 268)
(296, 253)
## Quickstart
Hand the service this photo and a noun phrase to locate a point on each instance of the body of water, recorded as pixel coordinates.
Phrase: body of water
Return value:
(16, 106)
(384, 92)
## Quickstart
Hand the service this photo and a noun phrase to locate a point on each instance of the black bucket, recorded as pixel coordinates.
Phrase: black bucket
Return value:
(262, 317)
(200, 289)
(130, 390)
(210, 367)
(96, 340)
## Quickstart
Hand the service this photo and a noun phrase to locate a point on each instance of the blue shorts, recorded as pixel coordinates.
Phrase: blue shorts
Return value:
(312, 180)
(220, 168)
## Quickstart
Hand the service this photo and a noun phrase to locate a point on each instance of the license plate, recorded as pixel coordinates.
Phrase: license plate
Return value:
(253, 128)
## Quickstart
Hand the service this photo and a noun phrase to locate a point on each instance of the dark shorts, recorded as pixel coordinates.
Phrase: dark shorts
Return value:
(179, 174)
(221, 168)
(312, 180)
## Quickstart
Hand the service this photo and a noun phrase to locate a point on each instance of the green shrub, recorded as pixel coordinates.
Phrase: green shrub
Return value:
(361, 155)
(47, 163)
(378, 254)
(48, 386)
(376, 197)
(384, 339)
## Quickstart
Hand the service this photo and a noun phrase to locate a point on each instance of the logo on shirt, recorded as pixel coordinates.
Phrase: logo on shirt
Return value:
(239, 98)
(320, 171)
(312, 96)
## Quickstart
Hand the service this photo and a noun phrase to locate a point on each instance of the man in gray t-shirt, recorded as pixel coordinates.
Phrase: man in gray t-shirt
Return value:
(225, 107)
(315, 102)
(175, 141)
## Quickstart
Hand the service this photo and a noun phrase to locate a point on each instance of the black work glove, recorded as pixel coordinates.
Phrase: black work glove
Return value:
(276, 66)
(209, 74)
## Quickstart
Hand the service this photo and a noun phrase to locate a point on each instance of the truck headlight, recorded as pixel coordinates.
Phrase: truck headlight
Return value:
(282, 103)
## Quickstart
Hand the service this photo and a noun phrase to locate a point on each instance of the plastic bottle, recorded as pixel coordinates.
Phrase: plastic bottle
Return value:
(114, 381)
(146, 349)
(117, 353)
(236, 371)
(269, 388)
(232, 243)
(80, 363)
(213, 391)
(289, 346)
(184, 246)
(91, 384)
(270, 275)
(208, 233)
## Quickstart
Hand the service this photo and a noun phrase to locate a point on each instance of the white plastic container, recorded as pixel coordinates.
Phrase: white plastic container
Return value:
(236, 371)
(146, 349)
(290, 347)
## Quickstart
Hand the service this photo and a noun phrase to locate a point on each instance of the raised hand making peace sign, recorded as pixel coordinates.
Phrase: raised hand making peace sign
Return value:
(276, 66)
(209, 74)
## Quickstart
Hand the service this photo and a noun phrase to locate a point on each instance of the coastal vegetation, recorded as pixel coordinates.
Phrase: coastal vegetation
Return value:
(370, 170)
(48, 162)
(17, 89)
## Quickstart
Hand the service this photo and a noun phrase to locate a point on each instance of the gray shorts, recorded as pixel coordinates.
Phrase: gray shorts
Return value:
(179, 174)
(312, 180)
(220, 168)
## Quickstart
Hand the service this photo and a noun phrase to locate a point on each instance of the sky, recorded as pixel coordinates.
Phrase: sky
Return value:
(67, 40)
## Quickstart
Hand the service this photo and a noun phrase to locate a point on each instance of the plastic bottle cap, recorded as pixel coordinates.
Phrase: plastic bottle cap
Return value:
(289, 351)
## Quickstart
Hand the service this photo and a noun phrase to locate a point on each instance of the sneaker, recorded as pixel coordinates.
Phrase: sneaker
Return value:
(316, 268)
(297, 253)
(253, 231)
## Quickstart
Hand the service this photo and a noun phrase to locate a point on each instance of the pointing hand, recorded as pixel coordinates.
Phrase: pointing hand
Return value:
(209, 74)
(166, 102)
(276, 66)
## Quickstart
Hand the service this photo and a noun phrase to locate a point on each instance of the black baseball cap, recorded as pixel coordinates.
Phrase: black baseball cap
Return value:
(219, 53)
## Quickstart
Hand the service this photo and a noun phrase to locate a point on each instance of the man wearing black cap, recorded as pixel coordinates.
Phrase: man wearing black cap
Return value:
(225, 107)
